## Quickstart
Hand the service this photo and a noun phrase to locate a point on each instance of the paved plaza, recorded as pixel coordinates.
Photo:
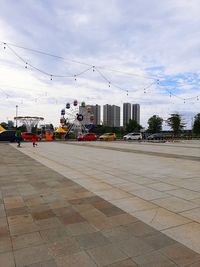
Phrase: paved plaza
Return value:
(111, 204)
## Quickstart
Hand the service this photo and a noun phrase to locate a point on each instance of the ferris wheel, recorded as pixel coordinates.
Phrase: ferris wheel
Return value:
(77, 118)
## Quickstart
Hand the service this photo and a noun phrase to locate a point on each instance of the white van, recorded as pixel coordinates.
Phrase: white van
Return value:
(133, 136)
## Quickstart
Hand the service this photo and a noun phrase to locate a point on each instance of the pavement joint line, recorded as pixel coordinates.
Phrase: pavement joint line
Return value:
(148, 153)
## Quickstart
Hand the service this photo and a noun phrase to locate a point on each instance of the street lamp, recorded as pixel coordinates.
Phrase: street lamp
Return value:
(16, 114)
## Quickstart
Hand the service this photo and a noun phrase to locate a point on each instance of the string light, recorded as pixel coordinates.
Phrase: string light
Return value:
(155, 81)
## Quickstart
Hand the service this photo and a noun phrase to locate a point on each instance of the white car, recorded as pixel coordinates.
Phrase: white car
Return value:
(133, 136)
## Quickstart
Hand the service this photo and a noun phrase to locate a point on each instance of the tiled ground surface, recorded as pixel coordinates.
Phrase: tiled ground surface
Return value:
(47, 220)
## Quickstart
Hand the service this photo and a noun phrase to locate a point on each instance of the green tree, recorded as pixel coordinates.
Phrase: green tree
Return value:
(196, 125)
(176, 123)
(155, 124)
(133, 126)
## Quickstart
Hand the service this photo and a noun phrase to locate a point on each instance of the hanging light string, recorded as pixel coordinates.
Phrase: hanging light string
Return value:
(155, 81)
(75, 61)
(42, 71)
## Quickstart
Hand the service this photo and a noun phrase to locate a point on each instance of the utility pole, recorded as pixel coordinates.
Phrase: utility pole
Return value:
(16, 114)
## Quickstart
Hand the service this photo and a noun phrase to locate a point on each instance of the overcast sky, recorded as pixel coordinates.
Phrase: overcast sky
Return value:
(132, 45)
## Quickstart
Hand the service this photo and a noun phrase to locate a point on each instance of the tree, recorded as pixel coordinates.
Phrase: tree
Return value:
(196, 125)
(176, 123)
(155, 124)
(133, 126)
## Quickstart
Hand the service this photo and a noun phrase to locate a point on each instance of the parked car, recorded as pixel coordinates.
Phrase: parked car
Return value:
(108, 137)
(87, 137)
(156, 136)
(133, 136)
(29, 136)
(8, 135)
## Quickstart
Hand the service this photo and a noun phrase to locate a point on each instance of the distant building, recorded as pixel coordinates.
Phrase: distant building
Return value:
(107, 117)
(136, 113)
(86, 114)
(111, 115)
(96, 112)
(126, 113)
(115, 116)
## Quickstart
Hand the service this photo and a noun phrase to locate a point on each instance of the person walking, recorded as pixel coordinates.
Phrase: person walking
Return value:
(34, 140)
(18, 135)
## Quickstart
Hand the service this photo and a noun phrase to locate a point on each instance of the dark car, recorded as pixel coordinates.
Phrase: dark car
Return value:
(29, 136)
(87, 137)
(156, 136)
(8, 135)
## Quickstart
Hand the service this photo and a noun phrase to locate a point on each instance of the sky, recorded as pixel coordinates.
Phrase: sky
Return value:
(144, 52)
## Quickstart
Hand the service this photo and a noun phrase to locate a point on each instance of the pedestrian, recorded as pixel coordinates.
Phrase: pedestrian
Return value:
(34, 140)
(18, 135)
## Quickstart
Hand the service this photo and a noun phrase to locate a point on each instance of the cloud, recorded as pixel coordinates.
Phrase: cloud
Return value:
(158, 39)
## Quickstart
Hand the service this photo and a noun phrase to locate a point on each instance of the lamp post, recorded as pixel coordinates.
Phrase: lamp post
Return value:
(16, 114)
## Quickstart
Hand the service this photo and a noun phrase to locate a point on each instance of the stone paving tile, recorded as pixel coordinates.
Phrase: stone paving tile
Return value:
(2, 211)
(107, 254)
(78, 259)
(5, 244)
(140, 229)
(27, 240)
(181, 255)
(63, 247)
(175, 204)
(125, 263)
(117, 234)
(54, 222)
(92, 240)
(187, 234)
(7, 259)
(134, 247)
(50, 263)
(52, 235)
(160, 218)
(154, 259)
(30, 255)
(17, 211)
(80, 228)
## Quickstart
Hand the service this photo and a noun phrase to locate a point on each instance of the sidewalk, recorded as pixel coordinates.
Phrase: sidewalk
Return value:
(47, 220)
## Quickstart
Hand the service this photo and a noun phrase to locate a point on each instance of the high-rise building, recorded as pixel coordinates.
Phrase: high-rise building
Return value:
(126, 113)
(136, 113)
(96, 111)
(115, 116)
(111, 115)
(107, 115)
